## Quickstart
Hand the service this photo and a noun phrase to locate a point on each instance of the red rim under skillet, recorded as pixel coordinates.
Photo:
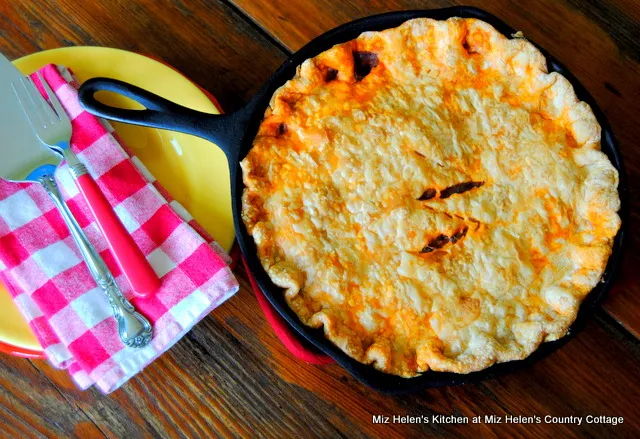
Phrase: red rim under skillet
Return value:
(234, 133)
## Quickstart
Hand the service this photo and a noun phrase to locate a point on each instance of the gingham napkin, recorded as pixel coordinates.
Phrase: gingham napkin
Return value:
(43, 270)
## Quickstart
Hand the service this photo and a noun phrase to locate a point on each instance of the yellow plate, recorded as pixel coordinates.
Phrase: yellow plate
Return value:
(193, 170)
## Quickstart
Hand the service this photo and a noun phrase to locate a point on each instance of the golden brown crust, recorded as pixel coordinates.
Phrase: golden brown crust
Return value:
(432, 197)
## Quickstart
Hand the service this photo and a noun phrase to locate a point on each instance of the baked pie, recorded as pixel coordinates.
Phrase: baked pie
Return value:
(432, 197)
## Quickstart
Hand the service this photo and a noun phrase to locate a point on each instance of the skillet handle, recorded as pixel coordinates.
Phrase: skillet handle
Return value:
(225, 130)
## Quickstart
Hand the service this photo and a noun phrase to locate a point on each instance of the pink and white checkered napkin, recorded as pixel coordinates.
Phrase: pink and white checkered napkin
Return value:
(43, 270)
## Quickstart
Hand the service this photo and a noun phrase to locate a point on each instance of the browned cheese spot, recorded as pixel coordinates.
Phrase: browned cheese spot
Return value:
(363, 62)
(419, 154)
(330, 74)
(439, 242)
(460, 188)
(428, 194)
(459, 235)
(465, 44)
(282, 129)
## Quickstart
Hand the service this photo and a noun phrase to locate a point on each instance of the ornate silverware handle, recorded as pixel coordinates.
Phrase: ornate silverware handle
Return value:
(134, 329)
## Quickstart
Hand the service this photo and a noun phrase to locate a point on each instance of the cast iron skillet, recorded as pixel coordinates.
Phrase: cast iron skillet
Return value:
(234, 133)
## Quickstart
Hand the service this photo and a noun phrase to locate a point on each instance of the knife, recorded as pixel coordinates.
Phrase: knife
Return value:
(56, 135)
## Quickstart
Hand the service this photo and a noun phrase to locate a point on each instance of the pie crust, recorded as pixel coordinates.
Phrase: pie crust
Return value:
(432, 197)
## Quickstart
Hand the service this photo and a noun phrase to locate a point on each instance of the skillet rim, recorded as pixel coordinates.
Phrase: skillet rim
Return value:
(367, 374)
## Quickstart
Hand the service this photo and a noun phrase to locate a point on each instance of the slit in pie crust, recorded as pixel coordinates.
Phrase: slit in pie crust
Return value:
(432, 197)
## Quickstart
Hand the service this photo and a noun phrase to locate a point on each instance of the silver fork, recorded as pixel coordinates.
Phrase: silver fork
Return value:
(54, 128)
(134, 329)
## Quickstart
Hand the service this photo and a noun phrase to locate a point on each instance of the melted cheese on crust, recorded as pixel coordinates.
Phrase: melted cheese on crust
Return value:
(346, 197)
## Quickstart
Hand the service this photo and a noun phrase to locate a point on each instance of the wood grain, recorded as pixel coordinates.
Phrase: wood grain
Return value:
(205, 40)
(230, 376)
(599, 41)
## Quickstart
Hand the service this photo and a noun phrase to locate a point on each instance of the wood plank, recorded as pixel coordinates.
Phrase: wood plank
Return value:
(599, 42)
(232, 376)
(205, 40)
(32, 406)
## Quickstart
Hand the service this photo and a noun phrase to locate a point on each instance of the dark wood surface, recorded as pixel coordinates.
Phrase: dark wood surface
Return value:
(230, 376)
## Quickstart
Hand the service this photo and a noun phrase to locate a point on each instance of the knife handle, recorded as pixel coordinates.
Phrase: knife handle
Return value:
(141, 276)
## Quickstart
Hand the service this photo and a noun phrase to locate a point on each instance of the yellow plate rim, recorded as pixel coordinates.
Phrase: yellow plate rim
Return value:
(30, 63)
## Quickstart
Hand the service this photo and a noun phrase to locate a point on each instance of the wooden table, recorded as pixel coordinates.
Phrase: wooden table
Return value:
(230, 376)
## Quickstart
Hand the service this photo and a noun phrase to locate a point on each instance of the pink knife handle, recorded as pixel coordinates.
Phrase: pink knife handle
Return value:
(130, 259)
